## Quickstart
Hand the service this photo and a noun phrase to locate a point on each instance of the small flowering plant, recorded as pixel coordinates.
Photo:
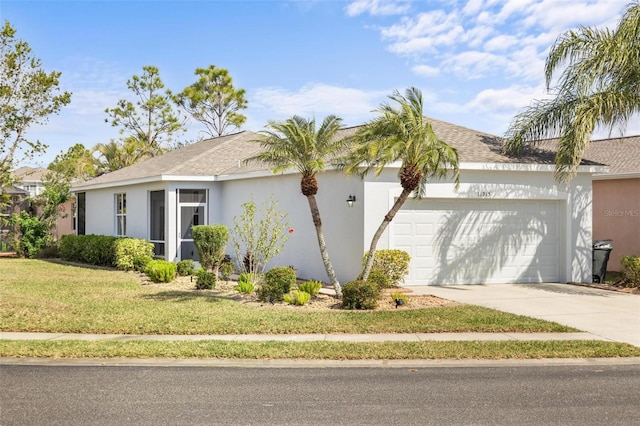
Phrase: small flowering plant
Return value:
(259, 234)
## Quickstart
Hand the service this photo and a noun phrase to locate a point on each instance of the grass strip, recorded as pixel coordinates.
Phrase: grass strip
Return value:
(40, 296)
(319, 350)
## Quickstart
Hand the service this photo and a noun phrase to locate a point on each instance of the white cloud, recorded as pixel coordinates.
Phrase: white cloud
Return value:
(508, 100)
(426, 24)
(500, 43)
(472, 7)
(425, 71)
(316, 99)
(377, 7)
(473, 65)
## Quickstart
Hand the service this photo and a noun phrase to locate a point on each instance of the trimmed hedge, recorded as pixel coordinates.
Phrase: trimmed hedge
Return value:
(360, 295)
(102, 250)
(96, 250)
(277, 282)
(390, 266)
(133, 254)
(161, 271)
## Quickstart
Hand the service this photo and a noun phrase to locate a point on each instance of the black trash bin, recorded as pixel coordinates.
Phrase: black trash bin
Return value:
(601, 252)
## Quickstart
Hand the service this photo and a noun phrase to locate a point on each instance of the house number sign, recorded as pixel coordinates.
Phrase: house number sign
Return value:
(483, 194)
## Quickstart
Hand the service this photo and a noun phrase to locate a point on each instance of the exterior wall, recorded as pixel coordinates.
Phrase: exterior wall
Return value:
(348, 231)
(616, 216)
(100, 210)
(501, 185)
(342, 225)
(64, 222)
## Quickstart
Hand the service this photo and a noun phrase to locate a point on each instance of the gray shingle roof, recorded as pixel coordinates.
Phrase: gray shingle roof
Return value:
(621, 154)
(225, 155)
(208, 157)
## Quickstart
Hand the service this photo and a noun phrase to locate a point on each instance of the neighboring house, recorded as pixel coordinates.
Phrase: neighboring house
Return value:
(29, 181)
(616, 196)
(508, 221)
(17, 203)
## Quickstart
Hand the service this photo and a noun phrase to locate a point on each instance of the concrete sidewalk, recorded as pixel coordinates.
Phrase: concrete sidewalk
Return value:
(388, 337)
(610, 315)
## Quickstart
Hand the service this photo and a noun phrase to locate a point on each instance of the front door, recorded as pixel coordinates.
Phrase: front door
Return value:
(192, 211)
(190, 216)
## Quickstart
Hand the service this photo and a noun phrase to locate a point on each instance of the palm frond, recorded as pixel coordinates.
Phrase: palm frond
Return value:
(599, 86)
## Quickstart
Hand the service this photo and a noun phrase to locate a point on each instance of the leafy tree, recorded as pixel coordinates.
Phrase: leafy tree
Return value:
(296, 144)
(599, 85)
(76, 163)
(214, 101)
(117, 155)
(151, 121)
(402, 134)
(28, 96)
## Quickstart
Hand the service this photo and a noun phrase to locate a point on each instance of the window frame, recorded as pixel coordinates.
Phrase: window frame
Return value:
(120, 225)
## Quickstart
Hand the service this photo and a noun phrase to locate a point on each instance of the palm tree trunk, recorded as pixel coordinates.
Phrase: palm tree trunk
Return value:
(376, 237)
(315, 214)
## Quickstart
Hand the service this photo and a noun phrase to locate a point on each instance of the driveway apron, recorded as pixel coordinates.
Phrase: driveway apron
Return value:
(611, 315)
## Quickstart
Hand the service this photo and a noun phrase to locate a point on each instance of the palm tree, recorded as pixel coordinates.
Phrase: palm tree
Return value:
(401, 133)
(296, 144)
(113, 156)
(600, 86)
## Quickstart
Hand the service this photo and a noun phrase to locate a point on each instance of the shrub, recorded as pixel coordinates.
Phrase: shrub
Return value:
(205, 280)
(161, 271)
(133, 254)
(360, 295)
(380, 278)
(631, 270)
(399, 298)
(92, 249)
(211, 243)
(185, 267)
(49, 251)
(226, 269)
(245, 284)
(29, 233)
(277, 282)
(297, 297)
(312, 287)
(392, 263)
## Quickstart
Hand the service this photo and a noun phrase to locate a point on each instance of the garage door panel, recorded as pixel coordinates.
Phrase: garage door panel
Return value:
(478, 241)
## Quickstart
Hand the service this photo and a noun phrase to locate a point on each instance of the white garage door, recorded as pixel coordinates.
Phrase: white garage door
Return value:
(479, 241)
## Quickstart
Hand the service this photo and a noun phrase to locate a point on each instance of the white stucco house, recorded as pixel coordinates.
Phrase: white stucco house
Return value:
(508, 222)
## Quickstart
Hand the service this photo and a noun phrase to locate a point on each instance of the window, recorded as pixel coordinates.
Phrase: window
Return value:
(121, 214)
(193, 196)
(157, 211)
(74, 216)
(80, 212)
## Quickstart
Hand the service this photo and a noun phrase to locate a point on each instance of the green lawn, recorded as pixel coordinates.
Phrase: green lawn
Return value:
(318, 350)
(41, 296)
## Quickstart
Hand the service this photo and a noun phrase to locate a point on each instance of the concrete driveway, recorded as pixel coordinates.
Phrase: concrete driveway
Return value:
(612, 315)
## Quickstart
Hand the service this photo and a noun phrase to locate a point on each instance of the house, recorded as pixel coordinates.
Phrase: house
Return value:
(30, 179)
(29, 184)
(17, 202)
(508, 222)
(616, 196)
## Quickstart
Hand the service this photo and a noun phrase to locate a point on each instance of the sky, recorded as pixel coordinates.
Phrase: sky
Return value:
(477, 62)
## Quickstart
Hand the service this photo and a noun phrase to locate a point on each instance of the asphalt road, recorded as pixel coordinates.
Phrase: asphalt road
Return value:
(156, 395)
